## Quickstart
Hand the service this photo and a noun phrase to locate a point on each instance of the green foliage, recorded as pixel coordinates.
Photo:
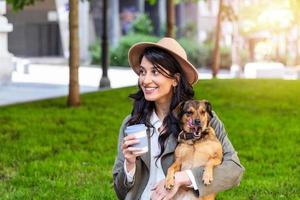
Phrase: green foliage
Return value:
(20, 4)
(142, 25)
(95, 52)
(199, 54)
(119, 55)
(49, 151)
(259, 16)
(151, 2)
(141, 31)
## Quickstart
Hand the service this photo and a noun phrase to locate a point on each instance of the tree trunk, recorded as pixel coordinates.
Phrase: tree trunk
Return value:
(297, 44)
(74, 97)
(277, 50)
(216, 52)
(252, 44)
(170, 19)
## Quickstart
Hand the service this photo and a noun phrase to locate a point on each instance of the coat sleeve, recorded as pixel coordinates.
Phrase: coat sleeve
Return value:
(229, 173)
(121, 185)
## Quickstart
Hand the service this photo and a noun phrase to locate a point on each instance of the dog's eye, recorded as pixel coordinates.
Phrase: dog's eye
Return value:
(202, 112)
(189, 112)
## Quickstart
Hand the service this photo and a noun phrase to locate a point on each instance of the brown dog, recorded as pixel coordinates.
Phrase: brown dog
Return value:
(198, 145)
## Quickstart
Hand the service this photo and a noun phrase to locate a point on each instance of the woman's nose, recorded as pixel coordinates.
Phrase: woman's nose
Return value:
(147, 79)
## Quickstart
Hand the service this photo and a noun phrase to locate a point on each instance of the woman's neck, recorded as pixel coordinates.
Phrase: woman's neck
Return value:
(162, 110)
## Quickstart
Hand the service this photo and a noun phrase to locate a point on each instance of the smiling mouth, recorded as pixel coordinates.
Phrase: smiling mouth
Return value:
(149, 89)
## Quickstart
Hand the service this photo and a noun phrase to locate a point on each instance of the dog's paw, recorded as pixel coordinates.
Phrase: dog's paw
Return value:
(207, 177)
(170, 182)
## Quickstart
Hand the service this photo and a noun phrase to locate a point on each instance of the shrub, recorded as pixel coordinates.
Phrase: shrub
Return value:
(142, 25)
(119, 55)
(226, 59)
(95, 52)
(198, 54)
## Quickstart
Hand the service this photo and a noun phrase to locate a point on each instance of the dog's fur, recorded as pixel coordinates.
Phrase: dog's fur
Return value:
(202, 149)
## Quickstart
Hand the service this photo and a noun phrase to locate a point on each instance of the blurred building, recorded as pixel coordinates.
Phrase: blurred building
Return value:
(36, 31)
(42, 29)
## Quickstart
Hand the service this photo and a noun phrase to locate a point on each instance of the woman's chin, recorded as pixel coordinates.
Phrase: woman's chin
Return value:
(150, 98)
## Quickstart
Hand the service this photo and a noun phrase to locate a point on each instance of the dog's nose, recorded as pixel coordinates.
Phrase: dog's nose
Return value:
(197, 122)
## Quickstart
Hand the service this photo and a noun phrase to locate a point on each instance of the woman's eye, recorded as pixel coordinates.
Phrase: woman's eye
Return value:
(142, 72)
(155, 72)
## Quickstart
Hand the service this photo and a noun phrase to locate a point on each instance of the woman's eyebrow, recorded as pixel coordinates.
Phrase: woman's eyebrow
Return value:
(141, 67)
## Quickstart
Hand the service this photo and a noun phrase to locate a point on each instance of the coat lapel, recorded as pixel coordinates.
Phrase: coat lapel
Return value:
(170, 148)
(171, 145)
(167, 158)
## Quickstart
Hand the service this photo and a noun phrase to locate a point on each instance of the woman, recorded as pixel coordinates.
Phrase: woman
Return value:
(165, 79)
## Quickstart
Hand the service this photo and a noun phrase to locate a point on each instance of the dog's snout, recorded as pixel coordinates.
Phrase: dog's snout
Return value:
(197, 122)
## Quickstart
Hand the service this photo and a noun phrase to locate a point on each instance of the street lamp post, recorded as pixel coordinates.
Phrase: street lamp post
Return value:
(104, 82)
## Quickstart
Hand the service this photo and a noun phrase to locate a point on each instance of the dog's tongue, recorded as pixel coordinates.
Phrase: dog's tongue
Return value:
(190, 123)
(192, 126)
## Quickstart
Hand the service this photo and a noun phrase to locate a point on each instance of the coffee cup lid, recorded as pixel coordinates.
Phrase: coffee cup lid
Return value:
(135, 128)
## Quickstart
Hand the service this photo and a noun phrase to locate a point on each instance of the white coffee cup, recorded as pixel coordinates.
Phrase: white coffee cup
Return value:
(140, 133)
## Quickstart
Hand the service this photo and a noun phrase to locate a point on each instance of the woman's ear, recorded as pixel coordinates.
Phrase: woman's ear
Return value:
(174, 83)
(176, 79)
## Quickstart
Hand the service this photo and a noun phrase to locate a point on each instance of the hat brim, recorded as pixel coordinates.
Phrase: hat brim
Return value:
(136, 51)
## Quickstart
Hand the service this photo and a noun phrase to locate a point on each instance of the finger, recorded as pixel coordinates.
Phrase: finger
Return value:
(129, 137)
(132, 152)
(154, 188)
(139, 153)
(156, 196)
(130, 142)
(161, 196)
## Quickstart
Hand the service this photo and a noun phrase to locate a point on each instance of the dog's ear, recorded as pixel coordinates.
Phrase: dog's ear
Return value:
(208, 108)
(178, 110)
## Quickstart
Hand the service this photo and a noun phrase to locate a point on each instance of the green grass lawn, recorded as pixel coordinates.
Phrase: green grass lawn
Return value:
(49, 151)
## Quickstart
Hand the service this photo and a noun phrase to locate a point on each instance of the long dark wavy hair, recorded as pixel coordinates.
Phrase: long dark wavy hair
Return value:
(142, 109)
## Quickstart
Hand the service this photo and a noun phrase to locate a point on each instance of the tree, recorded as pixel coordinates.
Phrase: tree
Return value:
(269, 20)
(74, 96)
(20, 4)
(225, 12)
(295, 5)
(216, 51)
(170, 12)
(170, 19)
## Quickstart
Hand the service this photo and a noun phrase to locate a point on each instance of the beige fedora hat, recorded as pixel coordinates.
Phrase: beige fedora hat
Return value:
(170, 45)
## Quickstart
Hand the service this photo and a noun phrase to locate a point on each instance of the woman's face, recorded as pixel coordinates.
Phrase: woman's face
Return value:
(156, 87)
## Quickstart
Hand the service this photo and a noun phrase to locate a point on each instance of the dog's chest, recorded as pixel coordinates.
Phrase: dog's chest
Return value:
(197, 154)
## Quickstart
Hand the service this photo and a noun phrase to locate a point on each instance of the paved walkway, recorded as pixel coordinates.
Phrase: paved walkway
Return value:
(34, 81)
(39, 81)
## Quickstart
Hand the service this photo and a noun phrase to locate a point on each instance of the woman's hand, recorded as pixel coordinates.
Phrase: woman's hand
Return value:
(130, 153)
(159, 192)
